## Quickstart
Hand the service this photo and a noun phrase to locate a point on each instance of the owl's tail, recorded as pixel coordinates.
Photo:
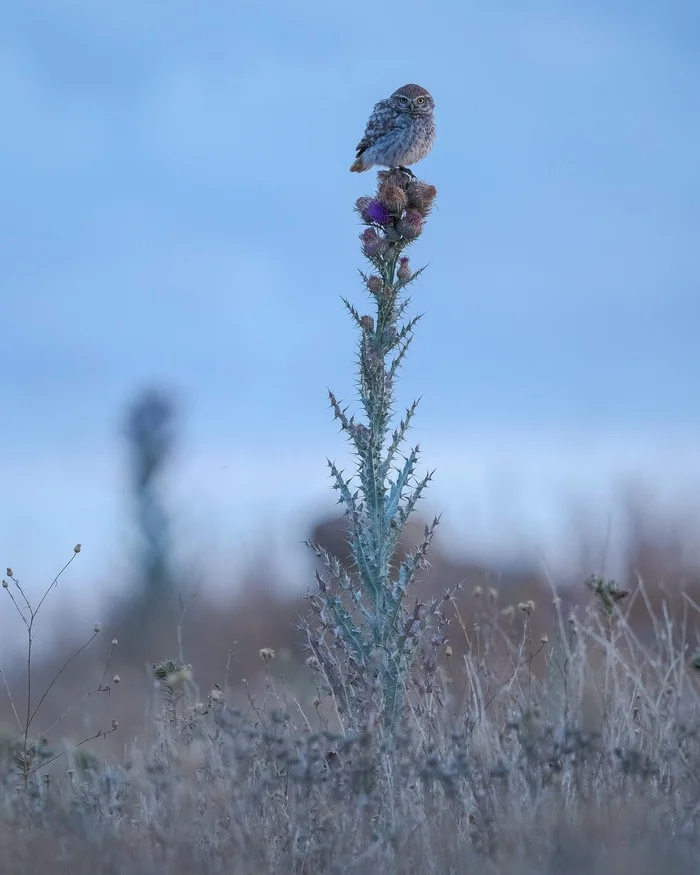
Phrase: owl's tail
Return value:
(358, 165)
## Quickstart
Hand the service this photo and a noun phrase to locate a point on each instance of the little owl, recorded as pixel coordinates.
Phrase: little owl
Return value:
(400, 131)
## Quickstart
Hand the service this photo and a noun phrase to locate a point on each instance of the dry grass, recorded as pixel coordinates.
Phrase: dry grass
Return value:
(589, 764)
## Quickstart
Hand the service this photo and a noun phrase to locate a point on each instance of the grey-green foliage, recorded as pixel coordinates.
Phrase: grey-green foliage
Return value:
(364, 609)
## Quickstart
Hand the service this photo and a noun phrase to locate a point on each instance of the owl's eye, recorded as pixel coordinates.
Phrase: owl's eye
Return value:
(420, 99)
(403, 99)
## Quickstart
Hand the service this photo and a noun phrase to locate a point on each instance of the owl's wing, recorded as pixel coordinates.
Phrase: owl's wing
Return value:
(375, 126)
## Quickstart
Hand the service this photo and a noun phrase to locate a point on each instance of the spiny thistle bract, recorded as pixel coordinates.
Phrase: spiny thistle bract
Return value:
(362, 611)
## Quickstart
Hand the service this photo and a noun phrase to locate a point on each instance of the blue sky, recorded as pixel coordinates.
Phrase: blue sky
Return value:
(176, 210)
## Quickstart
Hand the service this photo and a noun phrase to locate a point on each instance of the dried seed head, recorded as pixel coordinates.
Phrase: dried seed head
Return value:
(392, 197)
(527, 607)
(478, 592)
(317, 702)
(9, 572)
(114, 642)
(367, 323)
(5, 584)
(411, 225)
(169, 668)
(544, 639)
(116, 679)
(267, 654)
(404, 271)
(76, 549)
(96, 627)
(375, 284)
(115, 724)
(420, 196)
(216, 697)
(178, 678)
(312, 662)
(448, 650)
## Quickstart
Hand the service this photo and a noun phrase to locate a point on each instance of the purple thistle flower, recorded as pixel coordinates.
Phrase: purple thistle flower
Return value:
(378, 213)
(361, 205)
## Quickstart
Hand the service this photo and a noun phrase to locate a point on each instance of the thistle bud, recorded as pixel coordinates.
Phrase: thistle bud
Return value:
(404, 271)
(367, 323)
(411, 225)
(372, 244)
(76, 549)
(375, 284)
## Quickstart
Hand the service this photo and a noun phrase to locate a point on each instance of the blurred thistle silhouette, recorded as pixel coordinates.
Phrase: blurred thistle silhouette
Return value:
(362, 612)
(151, 430)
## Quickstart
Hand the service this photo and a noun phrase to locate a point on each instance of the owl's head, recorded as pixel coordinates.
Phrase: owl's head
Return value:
(413, 99)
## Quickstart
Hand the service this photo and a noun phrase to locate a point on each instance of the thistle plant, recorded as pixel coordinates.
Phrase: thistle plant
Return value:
(171, 675)
(607, 592)
(363, 612)
(151, 432)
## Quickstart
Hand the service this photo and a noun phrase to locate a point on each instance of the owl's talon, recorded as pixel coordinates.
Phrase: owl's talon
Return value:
(406, 171)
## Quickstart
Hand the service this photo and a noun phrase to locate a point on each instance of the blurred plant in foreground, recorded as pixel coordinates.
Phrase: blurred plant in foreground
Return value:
(29, 751)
